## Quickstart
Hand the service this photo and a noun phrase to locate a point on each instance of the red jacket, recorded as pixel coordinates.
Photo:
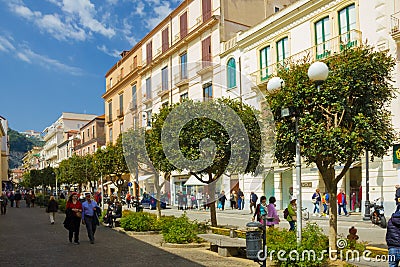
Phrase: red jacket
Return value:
(340, 197)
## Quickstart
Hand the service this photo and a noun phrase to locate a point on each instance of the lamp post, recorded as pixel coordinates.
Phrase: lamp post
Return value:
(318, 73)
(367, 213)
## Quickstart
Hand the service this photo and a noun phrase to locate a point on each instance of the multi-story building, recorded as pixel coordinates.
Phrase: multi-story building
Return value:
(31, 159)
(92, 137)
(71, 139)
(32, 133)
(4, 153)
(319, 29)
(178, 59)
(54, 136)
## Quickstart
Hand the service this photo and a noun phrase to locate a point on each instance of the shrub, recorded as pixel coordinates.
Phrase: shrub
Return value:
(180, 230)
(139, 222)
(313, 240)
(61, 204)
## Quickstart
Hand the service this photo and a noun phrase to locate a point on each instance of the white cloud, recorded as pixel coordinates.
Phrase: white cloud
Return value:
(112, 2)
(59, 30)
(140, 9)
(161, 12)
(113, 53)
(6, 45)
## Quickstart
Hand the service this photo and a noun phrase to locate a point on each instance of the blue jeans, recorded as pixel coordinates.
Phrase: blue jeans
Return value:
(240, 203)
(90, 227)
(292, 225)
(316, 208)
(394, 257)
(326, 211)
(344, 209)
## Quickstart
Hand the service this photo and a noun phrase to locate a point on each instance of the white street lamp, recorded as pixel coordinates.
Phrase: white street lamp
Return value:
(317, 72)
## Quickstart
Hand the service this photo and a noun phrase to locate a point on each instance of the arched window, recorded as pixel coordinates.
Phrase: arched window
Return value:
(231, 73)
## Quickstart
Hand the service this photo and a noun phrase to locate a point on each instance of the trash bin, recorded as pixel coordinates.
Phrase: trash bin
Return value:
(253, 240)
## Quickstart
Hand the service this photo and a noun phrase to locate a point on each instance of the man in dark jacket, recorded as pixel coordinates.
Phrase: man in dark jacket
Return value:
(397, 195)
(393, 238)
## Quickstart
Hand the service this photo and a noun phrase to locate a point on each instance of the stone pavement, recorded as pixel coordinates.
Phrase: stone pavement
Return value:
(28, 239)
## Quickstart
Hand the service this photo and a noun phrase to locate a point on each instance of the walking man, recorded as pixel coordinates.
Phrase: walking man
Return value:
(342, 202)
(3, 203)
(89, 216)
(253, 201)
(393, 238)
(240, 199)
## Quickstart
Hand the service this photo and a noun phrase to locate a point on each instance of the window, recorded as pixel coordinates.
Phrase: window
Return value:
(206, 51)
(111, 82)
(134, 97)
(94, 148)
(148, 118)
(231, 73)
(88, 134)
(282, 50)
(122, 73)
(206, 8)
(265, 61)
(149, 52)
(184, 97)
(93, 132)
(110, 111)
(322, 35)
(183, 59)
(207, 92)
(276, 9)
(183, 25)
(134, 61)
(164, 78)
(121, 105)
(110, 135)
(148, 88)
(347, 23)
(83, 137)
(165, 43)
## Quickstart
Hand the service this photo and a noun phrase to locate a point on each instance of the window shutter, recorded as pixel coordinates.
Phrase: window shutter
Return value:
(206, 51)
(149, 52)
(206, 5)
(183, 25)
(165, 43)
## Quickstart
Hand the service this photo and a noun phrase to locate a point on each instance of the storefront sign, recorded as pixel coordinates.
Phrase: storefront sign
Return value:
(396, 154)
(306, 184)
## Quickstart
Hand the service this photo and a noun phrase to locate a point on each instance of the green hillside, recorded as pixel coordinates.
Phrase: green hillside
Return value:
(19, 145)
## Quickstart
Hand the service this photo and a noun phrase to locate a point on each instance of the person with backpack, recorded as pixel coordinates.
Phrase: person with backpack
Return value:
(325, 203)
(291, 215)
(316, 200)
(393, 238)
(272, 213)
(261, 210)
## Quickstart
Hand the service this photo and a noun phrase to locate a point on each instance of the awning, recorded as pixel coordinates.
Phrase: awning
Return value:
(145, 177)
(194, 181)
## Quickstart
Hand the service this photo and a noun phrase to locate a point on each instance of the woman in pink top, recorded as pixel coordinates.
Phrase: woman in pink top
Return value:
(272, 213)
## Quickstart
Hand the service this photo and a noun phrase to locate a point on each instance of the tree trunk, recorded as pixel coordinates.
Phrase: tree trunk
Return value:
(331, 186)
(213, 211)
(158, 189)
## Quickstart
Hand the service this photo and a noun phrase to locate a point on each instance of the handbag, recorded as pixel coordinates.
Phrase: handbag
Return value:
(78, 214)
(314, 200)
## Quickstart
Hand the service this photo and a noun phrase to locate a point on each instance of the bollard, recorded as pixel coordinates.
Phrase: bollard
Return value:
(253, 240)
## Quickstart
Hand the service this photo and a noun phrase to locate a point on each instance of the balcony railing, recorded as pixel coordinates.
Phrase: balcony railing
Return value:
(395, 23)
(229, 44)
(318, 52)
(180, 79)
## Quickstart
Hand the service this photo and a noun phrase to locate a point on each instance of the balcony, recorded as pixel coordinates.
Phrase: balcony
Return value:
(181, 81)
(318, 52)
(394, 26)
(205, 67)
(229, 44)
(161, 92)
(109, 119)
(120, 113)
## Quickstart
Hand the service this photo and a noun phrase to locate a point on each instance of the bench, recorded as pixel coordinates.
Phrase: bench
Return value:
(225, 246)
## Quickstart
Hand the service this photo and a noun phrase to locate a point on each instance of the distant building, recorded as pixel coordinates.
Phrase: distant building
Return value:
(31, 159)
(4, 153)
(32, 133)
(16, 176)
(54, 135)
(92, 137)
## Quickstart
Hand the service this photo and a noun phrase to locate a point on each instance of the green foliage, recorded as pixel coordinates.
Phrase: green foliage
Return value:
(61, 204)
(313, 239)
(139, 222)
(180, 230)
(42, 200)
(19, 145)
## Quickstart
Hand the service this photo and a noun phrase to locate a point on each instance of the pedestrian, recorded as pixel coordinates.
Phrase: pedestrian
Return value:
(240, 199)
(116, 212)
(62, 196)
(393, 238)
(199, 198)
(73, 211)
(272, 214)
(253, 201)
(222, 199)
(189, 201)
(180, 200)
(12, 198)
(28, 200)
(353, 201)
(232, 199)
(261, 210)
(397, 196)
(342, 202)
(325, 203)
(3, 203)
(33, 198)
(52, 208)
(90, 216)
(292, 216)
(128, 199)
(18, 198)
(316, 200)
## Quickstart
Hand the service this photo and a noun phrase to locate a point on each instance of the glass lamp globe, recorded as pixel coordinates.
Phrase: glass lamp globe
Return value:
(318, 71)
(275, 83)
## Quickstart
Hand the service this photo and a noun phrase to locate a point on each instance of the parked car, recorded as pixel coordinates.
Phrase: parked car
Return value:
(151, 203)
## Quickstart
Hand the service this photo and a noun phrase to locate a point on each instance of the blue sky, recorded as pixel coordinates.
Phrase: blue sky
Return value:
(54, 53)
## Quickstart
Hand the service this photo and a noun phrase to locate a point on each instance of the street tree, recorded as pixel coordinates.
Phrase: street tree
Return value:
(110, 162)
(207, 139)
(338, 120)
